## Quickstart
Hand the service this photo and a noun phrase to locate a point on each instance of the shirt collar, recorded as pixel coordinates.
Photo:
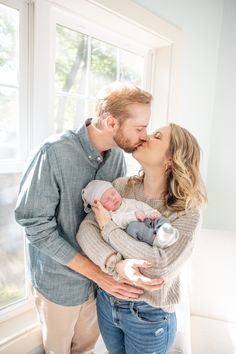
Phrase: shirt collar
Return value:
(92, 153)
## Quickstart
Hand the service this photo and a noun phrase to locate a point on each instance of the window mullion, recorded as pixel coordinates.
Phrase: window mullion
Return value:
(118, 64)
(88, 68)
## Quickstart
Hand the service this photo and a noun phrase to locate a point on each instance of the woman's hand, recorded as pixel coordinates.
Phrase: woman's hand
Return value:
(129, 269)
(101, 214)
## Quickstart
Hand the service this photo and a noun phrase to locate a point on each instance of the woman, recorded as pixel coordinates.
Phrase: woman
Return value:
(170, 182)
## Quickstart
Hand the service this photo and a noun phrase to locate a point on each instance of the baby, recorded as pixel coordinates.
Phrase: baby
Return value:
(138, 219)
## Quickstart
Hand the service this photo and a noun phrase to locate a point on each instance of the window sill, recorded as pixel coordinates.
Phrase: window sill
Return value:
(20, 334)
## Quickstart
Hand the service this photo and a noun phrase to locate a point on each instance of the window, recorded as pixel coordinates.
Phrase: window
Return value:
(12, 272)
(9, 85)
(83, 66)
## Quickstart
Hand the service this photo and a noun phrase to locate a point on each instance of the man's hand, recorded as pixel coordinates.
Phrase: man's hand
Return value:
(129, 269)
(120, 289)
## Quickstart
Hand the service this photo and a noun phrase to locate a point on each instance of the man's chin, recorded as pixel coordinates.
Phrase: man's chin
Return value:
(133, 148)
(130, 149)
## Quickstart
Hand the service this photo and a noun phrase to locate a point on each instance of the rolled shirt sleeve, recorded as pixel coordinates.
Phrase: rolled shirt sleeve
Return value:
(37, 205)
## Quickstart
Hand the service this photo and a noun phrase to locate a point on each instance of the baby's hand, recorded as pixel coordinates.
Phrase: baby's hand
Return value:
(154, 215)
(140, 215)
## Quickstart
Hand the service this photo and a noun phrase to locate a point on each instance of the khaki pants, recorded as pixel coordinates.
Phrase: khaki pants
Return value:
(67, 329)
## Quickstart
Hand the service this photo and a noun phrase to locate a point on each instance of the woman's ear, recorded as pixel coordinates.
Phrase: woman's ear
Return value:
(168, 164)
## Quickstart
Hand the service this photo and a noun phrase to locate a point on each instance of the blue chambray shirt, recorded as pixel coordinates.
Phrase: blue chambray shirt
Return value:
(50, 208)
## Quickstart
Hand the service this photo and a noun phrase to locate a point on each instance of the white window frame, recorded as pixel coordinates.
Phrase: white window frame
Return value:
(16, 164)
(162, 47)
(9, 315)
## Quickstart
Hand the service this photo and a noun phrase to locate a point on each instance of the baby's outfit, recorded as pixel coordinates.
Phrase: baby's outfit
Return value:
(158, 232)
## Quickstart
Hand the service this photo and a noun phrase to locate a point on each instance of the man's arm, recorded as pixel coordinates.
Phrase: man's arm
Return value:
(120, 289)
(36, 207)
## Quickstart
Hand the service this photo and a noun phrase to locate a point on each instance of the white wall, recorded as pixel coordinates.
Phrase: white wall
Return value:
(209, 94)
(200, 21)
(221, 179)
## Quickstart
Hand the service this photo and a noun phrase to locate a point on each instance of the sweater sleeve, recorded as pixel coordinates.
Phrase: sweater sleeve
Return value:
(94, 246)
(166, 263)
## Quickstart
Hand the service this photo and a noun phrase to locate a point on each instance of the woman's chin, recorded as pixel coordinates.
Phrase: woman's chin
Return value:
(136, 152)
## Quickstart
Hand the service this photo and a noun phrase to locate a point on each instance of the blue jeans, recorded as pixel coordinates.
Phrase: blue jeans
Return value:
(134, 327)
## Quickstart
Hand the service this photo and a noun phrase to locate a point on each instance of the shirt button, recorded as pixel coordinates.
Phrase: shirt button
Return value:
(99, 158)
(90, 157)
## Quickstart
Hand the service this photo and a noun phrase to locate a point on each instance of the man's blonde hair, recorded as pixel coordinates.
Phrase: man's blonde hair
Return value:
(115, 100)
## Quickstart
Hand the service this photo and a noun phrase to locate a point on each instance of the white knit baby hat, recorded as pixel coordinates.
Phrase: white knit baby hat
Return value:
(94, 191)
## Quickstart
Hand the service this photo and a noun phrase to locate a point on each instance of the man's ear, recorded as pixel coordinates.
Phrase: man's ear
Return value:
(111, 122)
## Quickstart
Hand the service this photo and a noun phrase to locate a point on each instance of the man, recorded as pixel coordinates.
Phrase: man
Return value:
(50, 208)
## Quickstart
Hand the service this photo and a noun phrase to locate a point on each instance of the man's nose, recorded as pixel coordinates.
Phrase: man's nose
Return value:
(144, 136)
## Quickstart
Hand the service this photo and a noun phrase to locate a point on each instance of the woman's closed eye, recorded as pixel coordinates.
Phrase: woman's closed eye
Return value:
(157, 135)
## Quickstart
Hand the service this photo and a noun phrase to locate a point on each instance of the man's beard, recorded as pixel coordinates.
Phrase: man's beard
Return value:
(124, 143)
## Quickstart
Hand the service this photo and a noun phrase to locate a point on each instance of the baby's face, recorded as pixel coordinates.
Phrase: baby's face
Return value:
(111, 199)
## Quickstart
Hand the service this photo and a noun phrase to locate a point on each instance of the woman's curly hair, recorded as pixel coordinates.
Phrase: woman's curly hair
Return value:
(184, 186)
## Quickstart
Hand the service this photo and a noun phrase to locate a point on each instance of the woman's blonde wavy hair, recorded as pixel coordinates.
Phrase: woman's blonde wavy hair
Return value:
(184, 186)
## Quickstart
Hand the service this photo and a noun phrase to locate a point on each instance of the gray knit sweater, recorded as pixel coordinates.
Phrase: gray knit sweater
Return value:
(167, 263)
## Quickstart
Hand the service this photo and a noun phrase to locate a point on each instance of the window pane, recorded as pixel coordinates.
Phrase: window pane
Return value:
(103, 65)
(70, 78)
(9, 49)
(12, 273)
(131, 68)
(83, 66)
(91, 108)
(69, 112)
(8, 122)
(71, 60)
(9, 45)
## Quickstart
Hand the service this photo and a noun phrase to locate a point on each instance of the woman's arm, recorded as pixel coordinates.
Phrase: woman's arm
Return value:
(166, 262)
(102, 254)
(93, 245)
